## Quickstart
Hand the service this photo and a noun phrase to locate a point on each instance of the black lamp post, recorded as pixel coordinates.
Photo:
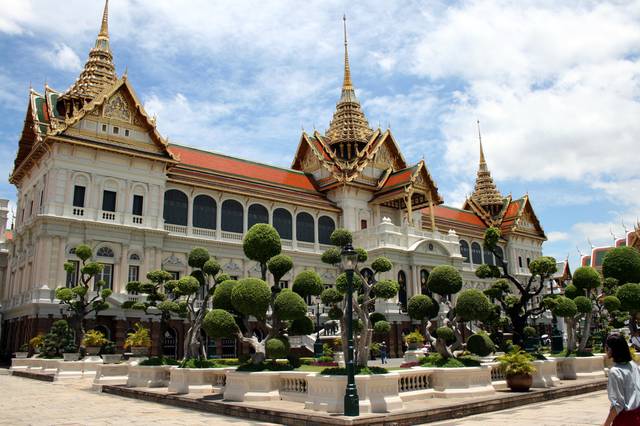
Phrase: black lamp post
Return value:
(556, 336)
(317, 346)
(351, 400)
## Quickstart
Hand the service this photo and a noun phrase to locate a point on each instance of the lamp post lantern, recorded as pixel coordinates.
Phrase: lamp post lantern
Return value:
(317, 346)
(351, 401)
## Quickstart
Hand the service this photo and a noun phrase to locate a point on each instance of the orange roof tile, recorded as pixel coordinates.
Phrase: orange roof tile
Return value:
(400, 177)
(245, 168)
(456, 215)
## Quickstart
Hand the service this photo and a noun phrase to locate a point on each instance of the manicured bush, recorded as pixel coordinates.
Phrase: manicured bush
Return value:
(571, 291)
(159, 360)
(612, 303)
(444, 279)
(261, 243)
(421, 307)
(301, 326)
(251, 296)
(211, 267)
(629, 296)
(480, 344)
(277, 347)
(279, 265)
(341, 237)
(583, 304)
(341, 283)
(530, 331)
(473, 305)
(374, 317)
(436, 360)
(359, 370)
(487, 271)
(330, 296)
(187, 285)
(197, 257)
(307, 283)
(586, 278)
(219, 323)
(623, 264)
(331, 256)
(385, 289)
(381, 264)
(447, 334)
(381, 327)
(335, 313)
(221, 298)
(288, 305)
(565, 307)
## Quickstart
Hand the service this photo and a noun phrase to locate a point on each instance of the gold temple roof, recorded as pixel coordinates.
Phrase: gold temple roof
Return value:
(485, 192)
(349, 123)
(99, 72)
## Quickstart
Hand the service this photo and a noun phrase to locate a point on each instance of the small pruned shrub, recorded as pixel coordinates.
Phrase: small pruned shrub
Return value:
(159, 360)
(199, 363)
(359, 370)
(266, 366)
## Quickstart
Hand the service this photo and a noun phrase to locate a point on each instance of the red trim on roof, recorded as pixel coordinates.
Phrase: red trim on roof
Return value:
(221, 163)
(397, 178)
(450, 213)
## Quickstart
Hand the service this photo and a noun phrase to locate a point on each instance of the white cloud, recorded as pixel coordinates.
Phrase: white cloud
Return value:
(62, 57)
(554, 236)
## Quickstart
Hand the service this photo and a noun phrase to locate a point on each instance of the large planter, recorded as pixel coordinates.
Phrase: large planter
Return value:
(20, 364)
(71, 356)
(378, 393)
(68, 370)
(588, 367)
(110, 374)
(519, 382)
(412, 355)
(152, 376)
(92, 350)
(36, 364)
(546, 375)
(197, 380)
(461, 382)
(254, 386)
(111, 358)
(21, 355)
(139, 351)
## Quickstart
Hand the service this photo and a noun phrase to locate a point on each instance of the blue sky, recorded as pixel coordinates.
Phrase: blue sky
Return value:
(555, 85)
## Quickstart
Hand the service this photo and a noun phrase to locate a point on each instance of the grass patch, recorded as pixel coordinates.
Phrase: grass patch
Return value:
(200, 363)
(436, 360)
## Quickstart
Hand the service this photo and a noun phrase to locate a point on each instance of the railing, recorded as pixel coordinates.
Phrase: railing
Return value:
(77, 211)
(137, 220)
(175, 229)
(203, 232)
(306, 245)
(234, 236)
(414, 379)
(286, 243)
(297, 383)
(497, 373)
(110, 216)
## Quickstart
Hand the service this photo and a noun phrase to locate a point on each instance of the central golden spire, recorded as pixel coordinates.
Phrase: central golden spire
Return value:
(485, 192)
(349, 130)
(99, 72)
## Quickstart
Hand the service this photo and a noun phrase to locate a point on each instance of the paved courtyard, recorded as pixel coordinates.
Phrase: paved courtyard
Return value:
(30, 402)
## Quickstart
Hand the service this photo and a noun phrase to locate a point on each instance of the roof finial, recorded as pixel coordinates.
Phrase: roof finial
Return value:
(346, 85)
(104, 28)
(482, 160)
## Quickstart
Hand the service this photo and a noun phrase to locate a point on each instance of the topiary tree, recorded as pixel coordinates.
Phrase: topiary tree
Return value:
(517, 305)
(586, 279)
(160, 299)
(629, 296)
(59, 337)
(445, 280)
(423, 308)
(564, 307)
(623, 264)
(79, 301)
(366, 292)
(261, 243)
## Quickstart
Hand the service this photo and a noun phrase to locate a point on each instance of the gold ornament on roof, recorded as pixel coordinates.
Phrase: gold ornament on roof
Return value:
(117, 107)
(485, 192)
(99, 72)
(349, 126)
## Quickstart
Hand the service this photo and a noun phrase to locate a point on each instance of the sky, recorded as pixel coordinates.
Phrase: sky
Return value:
(555, 85)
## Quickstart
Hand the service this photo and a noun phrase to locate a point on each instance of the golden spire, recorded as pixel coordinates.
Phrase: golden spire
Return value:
(349, 127)
(99, 72)
(485, 192)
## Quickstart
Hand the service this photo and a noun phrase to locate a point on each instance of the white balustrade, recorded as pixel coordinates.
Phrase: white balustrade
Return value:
(202, 232)
(175, 229)
(233, 236)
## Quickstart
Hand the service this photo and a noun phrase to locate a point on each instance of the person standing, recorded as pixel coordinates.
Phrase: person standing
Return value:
(635, 341)
(624, 384)
(383, 353)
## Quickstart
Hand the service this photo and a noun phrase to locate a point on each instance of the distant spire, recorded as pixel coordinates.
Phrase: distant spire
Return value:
(99, 71)
(346, 84)
(485, 192)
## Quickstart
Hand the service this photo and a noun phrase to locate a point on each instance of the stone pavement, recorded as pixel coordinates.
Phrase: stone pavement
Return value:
(31, 402)
(587, 409)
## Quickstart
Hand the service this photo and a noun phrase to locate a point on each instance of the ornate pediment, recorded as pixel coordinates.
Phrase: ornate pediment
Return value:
(117, 107)
(173, 261)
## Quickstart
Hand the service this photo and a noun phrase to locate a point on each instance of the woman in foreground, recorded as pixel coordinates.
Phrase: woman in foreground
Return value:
(624, 384)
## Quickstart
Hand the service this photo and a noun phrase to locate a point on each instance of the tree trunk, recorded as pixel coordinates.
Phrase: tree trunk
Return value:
(570, 324)
(443, 349)
(263, 271)
(519, 323)
(586, 332)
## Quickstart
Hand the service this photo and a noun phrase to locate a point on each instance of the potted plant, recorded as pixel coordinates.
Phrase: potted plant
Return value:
(413, 339)
(108, 353)
(139, 341)
(518, 368)
(23, 352)
(36, 343)
(93, 341)
(70, 352)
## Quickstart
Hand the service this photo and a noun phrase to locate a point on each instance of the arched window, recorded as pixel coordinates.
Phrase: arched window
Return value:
(488, 257)
(402, 292)
(232, 216)
(257, 214)
(304, 228)
(326, 226)
(424, 277)
(476, 253)
(283, 223)
(175, 207)
(104, 330)
(170, 343)
(105, 251)
(204, 212)
(500, 254)
(135, 257)
(464, 251)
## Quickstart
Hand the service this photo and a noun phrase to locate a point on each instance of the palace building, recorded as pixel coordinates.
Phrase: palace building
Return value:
(91, 167)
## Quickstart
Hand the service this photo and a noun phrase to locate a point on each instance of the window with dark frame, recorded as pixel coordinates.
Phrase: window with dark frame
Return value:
(232, 217)
(137, 205)
(134, 272)
(78, 196)
(109, 201)
(283, 223)
(105, 275)
(72, 276)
